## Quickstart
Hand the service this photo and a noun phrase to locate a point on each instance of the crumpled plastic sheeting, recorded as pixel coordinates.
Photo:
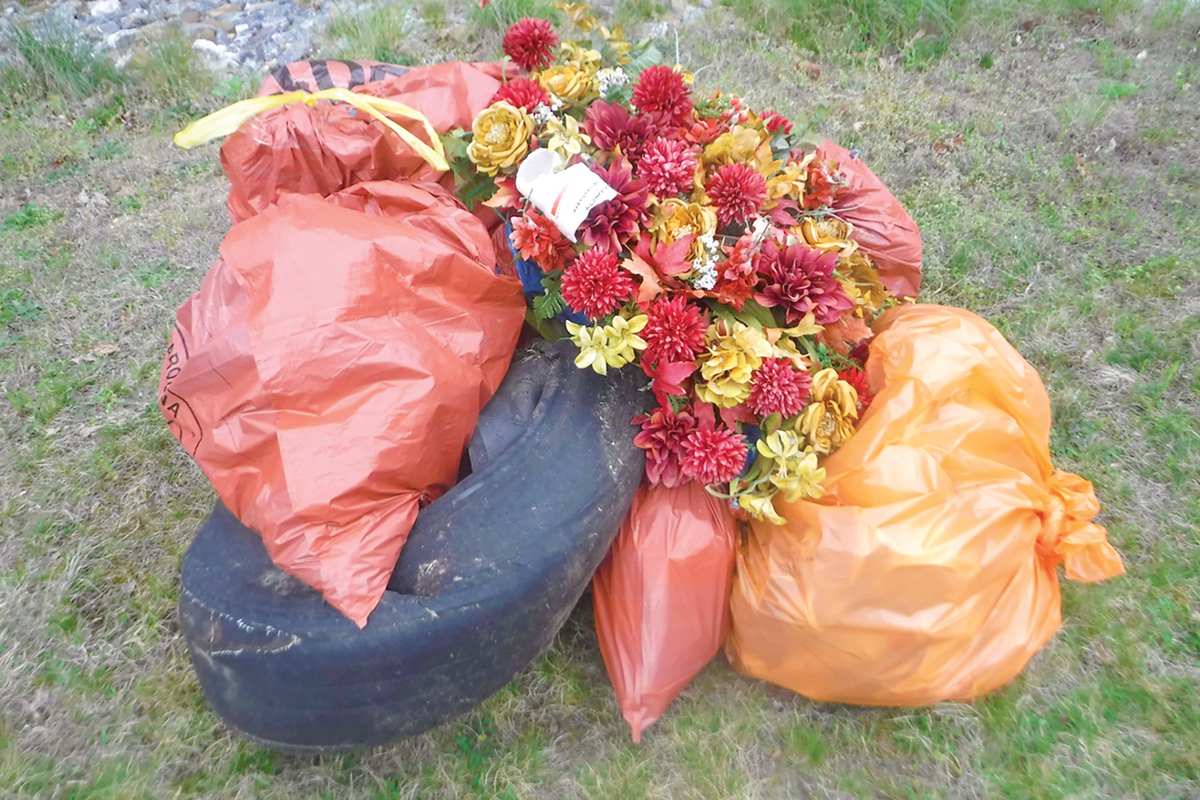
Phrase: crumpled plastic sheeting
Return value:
(329, 373)
(927, 572)
(661, 597)
(325, 148)
(882, 228)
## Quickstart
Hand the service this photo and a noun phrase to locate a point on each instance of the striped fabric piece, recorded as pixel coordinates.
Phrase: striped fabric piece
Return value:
(313, 76)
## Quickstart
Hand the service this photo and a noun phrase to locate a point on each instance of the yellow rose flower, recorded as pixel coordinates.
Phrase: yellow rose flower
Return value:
(828, 233)
(734, 352)
(828, 420)
(565, 80)
(501, 137)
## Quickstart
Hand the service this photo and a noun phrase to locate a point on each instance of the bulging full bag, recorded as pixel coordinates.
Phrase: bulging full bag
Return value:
(928, 570)
(662, 597)
(324, 147)
(330, 370)
(882, 228)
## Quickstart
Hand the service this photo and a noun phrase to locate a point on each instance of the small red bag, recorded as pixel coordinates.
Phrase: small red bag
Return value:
(662, 597)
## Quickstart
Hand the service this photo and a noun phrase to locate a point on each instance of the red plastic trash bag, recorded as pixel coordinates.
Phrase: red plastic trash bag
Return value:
(662, 597)
(927, 571)
(330, 370)
(882, 228)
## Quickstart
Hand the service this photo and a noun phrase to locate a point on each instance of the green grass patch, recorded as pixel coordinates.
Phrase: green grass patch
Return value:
(381, 33)
(502, 14)
(29, 215)
(54, 61)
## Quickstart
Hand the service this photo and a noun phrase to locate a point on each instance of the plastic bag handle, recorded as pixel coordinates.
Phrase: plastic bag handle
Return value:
(230, 118)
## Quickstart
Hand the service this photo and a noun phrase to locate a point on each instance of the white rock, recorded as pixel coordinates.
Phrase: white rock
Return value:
(215, 56)
(104, 7)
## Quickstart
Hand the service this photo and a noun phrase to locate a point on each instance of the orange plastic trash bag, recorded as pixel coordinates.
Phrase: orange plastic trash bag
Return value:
(882, 228)
(324, 148)
(927, 571)
(329, 372)
(662, 597)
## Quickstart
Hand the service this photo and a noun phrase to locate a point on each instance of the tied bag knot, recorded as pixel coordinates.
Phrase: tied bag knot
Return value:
(1068, 534)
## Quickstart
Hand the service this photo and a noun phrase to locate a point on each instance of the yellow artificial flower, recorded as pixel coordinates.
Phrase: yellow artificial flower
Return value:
(501, 137)
(613, 345)
(780, 445)
(565, 137)
(828, 420)
(742, 145)
(794, 471)
(734, 352)
(787, 183)
(675, 219)
(565, 80)
(585, 59)
(735, 146)
(617, 41)
(590, 341)
(861, 282)
(827, 233)
(760, 507)
(623, 339)
(580, 15)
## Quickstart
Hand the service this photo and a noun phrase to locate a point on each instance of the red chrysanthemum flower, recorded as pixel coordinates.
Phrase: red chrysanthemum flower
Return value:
(713, 455)
(737, 191)
(667, 166)
(523, 93)
(662, 89)
(858, 379)
(611, 126)
(595, 284)
(801, 280)
(777, 387)
(538, 239)
(662, 436)
(530, 43)
(674, 330)
(616, 221)
(775, 122)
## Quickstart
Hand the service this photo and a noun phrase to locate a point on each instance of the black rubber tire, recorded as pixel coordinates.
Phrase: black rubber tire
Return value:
(488, 576)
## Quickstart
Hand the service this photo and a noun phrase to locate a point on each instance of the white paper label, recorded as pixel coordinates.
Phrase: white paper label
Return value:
(564, 195)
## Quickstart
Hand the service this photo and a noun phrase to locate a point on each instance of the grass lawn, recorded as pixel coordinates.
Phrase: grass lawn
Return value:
(1049, 152)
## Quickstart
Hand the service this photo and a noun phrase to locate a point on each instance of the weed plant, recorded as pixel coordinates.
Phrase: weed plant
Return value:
(381, 33)
(54, 61)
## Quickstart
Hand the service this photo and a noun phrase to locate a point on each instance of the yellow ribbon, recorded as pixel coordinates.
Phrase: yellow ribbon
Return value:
(230, 118)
